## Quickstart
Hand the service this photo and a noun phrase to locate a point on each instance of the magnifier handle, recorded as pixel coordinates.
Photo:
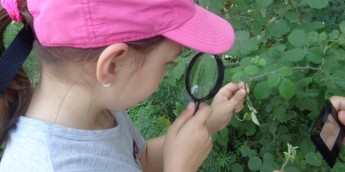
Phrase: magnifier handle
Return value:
(197, 105)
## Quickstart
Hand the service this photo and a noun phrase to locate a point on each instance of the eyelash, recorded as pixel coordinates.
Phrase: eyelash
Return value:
(170, 63)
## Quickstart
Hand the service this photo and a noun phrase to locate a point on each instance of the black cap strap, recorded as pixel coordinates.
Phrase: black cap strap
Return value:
(14, 56)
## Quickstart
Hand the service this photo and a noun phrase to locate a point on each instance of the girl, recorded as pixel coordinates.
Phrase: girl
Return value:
(98, 58)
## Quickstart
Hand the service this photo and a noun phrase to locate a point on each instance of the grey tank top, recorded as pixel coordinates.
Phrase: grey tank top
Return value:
(35, 146)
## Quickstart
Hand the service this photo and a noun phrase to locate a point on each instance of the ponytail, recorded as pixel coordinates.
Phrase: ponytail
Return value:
(16, 97)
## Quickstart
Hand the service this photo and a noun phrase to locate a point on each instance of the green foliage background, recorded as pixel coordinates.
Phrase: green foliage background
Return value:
(291, 53)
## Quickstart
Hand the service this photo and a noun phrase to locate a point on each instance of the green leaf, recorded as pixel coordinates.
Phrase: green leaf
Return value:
(262, 91)
(179, 70)
(263, 3)
(313, 37)
(273, 80)
(287, 89)
(255, 119)
(342, 26)
(305, 81)
(251, 69)
(292, 16)
(341, 40)
(323, 36)
(285, 71)
(247, 116)
(250, 129)
(273, 128)
(278, 29)
(268, 157)
(237, 77)
(314, 58)
(334, 34)
(223, 138)
(294, 55)
(313, 159)
(236, 167)
(254, 163)
(280, 114)
(318, 4)
(298, 38)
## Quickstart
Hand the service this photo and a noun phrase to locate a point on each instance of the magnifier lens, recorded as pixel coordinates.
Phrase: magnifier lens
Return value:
(203, 76)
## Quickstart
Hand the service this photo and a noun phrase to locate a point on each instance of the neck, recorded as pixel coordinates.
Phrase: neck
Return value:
(68, 105)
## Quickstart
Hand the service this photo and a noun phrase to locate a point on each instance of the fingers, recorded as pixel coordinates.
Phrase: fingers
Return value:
(338, 102)
(236, 102)
(341, 116)
(228, 91)
(202, 115)
(184, 116)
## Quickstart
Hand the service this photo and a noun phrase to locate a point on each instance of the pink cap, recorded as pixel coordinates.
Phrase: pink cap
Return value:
(98, 23)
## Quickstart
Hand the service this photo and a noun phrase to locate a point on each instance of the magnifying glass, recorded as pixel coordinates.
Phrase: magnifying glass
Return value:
(204, 78)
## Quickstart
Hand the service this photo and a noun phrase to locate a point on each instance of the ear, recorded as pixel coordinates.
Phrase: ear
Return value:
(106, 64)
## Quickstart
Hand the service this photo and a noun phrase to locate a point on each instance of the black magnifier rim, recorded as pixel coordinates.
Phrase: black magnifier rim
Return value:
(218, 83)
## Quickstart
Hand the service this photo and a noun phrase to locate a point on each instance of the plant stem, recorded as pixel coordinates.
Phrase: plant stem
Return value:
(285, 163)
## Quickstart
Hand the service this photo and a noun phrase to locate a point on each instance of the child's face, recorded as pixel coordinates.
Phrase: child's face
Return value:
(145, 78)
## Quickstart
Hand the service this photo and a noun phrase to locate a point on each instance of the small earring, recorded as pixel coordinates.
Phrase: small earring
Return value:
(106, 85)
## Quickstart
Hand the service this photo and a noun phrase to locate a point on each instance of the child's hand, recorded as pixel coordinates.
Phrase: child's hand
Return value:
(339, 105)
(188, 141)
(227, 101)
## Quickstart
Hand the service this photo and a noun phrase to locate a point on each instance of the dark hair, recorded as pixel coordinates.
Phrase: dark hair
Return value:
(17, 97)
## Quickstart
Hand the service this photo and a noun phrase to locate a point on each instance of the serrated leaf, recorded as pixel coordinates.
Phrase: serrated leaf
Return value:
(251, 69)
(254, 163)
(255, 119)
(273, 80)
(261, 90)
(278, 29)
(298, 38)
(294, 55)
(323, 36)
(342, 26)
(318, 4)
(287, 89)
(334, 34)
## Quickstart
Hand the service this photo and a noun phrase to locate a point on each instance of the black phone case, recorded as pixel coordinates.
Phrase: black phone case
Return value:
(315, 134)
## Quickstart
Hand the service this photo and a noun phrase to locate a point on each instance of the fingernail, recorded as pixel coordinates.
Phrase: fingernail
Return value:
(241, 92)
(190, 106)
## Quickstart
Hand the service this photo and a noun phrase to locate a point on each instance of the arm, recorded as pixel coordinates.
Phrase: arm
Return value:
(152, 159)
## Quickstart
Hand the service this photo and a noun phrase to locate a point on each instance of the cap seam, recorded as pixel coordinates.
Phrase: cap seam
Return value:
(91, 28)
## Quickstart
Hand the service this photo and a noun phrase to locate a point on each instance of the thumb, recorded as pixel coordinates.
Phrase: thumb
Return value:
(237, 99)
(184, 116)
(341, 116)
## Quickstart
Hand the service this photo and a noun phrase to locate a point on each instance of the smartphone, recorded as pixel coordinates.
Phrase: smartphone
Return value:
(328, 133)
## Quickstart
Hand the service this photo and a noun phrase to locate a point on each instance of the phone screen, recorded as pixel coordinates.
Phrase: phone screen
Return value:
(329, 132)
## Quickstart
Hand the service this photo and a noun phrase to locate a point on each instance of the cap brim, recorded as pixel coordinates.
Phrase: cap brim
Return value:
(204, 32)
